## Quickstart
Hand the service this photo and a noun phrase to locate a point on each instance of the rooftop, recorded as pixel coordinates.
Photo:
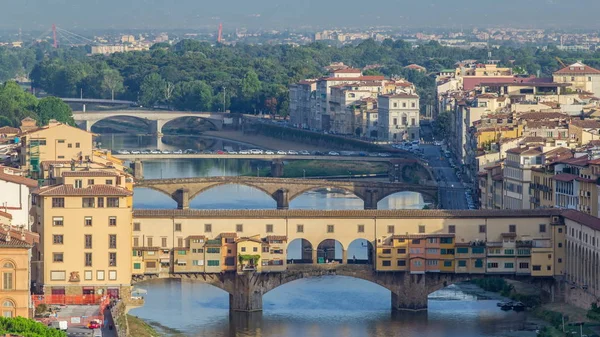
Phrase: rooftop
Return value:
(577, 68)
(89, 174)
(94, 190)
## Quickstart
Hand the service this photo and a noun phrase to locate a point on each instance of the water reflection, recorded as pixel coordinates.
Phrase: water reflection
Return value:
(324, 306)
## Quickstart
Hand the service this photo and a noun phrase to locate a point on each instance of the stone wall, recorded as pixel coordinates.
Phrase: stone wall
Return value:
(119, 315)
(579, 298)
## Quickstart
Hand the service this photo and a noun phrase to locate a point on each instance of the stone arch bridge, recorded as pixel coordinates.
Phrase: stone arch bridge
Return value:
(157, 119)
(284, 190)
(409, 291)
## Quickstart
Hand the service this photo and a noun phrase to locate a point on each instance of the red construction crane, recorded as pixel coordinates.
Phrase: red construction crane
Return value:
(220, 35)
(54, 36)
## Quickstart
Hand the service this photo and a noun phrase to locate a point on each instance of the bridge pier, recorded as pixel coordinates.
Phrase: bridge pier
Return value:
(282, 198)
(371, 199)
(138, 169)
(277, 168)
(156, 127)
(182, 196)
(246, 297)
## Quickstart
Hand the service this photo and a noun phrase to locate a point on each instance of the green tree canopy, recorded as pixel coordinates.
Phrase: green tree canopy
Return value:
(54, 108)
(27, 328)
(152, 89)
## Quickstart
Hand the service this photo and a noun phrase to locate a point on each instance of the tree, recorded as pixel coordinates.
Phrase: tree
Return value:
(194, 95)
(112, 82)
(271, 105)
(250, 85)
(54, 108)
(15, 103)
(442, 125)
(152, 89)
(26, 327)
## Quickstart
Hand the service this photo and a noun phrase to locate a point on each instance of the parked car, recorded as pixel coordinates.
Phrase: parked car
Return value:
(190, 151)
(304, 152)
(145, 152)
(292, 152)
(59, 325)
(244, 152)
(95, 324)
(135, 152)
(166, 152)
(269, 152)
(155, 151)
(207, 152)
(333, 153)
(178, 152)
(281, 152)
(220, 152)
(255, 151)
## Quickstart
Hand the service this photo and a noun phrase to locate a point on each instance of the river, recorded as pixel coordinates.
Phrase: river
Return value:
(327, 306)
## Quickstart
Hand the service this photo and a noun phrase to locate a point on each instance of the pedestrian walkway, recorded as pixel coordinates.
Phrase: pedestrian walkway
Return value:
(108, 323)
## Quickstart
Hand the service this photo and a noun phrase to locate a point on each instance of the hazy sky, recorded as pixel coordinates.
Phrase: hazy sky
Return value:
(82, 14)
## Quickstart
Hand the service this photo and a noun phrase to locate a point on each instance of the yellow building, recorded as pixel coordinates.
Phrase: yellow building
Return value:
(15, 250)
(54, 142)
(85, 236)
(580, 76)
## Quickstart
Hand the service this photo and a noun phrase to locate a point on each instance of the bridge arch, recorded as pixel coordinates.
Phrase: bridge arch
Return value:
(410, 199)
(90, 124)
(225, 183)
(427, 196)
(300, 251)
(361, 251)
(211, 122)
(301, 191)
(330, 250)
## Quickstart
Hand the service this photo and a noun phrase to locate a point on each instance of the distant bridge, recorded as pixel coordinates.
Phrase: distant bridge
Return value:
(284, 190)
(98, 101)
(157, 119)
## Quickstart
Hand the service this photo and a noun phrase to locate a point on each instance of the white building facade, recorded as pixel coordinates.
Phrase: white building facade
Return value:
(398, 117)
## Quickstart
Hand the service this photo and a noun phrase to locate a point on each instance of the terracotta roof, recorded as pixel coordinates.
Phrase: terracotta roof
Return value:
(542, 115)
(564, 177)
(18, 238)
(347, 70)
(586, 123)
(422, 236)
(143, 249)
(414, 66)
(69, 190)
(248, 239)
(532, 139)
(13, 242)
(579, 161)
(350, 79)
(297, 213)
(228, 235)
(400, 96)
(482, 174)
(9, 130)
(89, 174)
(542, 124)
(18, 179)
(276, 237)
(196, 237)
(6, 215)
(582, 218)
(577, 68)
(518, 150)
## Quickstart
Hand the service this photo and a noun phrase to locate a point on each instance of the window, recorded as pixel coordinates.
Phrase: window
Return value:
(57, 221)
(58, 257)
(447, 251)
(70, 146)
(150, 264)
(492, 265)
(560, 230)
(418, 263)
(462, 250)
(100, 274)
(136, 242)
(78, 183)
(137, 226)
(197, 262)
(559, 260)
(100, 202)
(360, 229)
(239, 228)
(512, 228)
(299, 228)
(207, 228)
(386, 251)
(269, 228)
(386, 263)
(542, 228)
(560, 245)
(413, 105)
(58, 202)
(112, 259)
(137, 266)
(478, 263)
(391, 229)
(77, 145)
(87, 239)
(90, 181)
(401, 251)
(87, 202)
(404, 104)
(548, 267)
(446, 240)
(536, 267)
(112, 241)
(416, 241)
(57, 239)
(61, 141)
(523, 265)
(482, 228)
(243, 249)
(58, 275)
(108, 182)
(112, 202)
(451, 229)
(432, 251)
(178, 227)
(448, 263)
(87, 221)
(8, 277)
(88, 275)
(255, 249)
(401, 263)
(462, 263)
(179, 242)
(509, 252)
(395, 105)
(88, 259)
(163, 242)
(213, 250)
(330, 229)
(213, 263)
(477, 250)
(421, 229)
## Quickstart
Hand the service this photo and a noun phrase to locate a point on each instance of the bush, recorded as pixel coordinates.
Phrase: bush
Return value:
(27, 328)
(40, 309)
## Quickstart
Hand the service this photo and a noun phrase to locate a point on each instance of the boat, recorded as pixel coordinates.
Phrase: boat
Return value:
(518, 306)
(503, 303)
(507, 306)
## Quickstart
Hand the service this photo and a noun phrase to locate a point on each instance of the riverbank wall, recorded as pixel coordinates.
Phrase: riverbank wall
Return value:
(119, 316)
(579, 297)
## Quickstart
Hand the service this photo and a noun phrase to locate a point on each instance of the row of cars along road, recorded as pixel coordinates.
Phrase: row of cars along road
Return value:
(259, 152)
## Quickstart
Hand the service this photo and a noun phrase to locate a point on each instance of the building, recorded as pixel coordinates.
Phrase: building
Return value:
(15, 257)
(517, 175)
(302, 104)
(84, 225)
(398, 117)
(15, 196)
(53, 142)
(581, 77)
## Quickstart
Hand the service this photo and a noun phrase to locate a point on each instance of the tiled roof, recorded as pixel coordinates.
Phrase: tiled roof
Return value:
(18, 179)
(347, 71)
(564, 177)
(498, 177)
(350, 79)
(582, 218)
(9, 130)
(400, 96)
(276, 238)
(143, 249)
(228, 235)
(196, 237)
(89, 174)
(577, 68)
(579, 161)
(297, 213)
(542, 115)
(69, 190)
(6, 215)
(532, 139)
(248, 239)
(586, 123)
(541, 124)
(422, 236)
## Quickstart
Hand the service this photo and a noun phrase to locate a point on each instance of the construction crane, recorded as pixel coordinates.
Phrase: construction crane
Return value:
(561, 62)
(220, 34)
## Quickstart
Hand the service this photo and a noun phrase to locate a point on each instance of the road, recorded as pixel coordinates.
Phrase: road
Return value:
(452, 191)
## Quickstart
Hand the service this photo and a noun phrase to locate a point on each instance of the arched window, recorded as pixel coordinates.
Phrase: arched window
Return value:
(8, 275)
(8, 308)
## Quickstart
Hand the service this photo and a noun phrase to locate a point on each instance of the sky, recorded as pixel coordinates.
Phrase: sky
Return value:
(265, 14)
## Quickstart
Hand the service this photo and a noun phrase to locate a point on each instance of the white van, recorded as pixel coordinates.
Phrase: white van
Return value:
(97, 333)
(59, 325)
